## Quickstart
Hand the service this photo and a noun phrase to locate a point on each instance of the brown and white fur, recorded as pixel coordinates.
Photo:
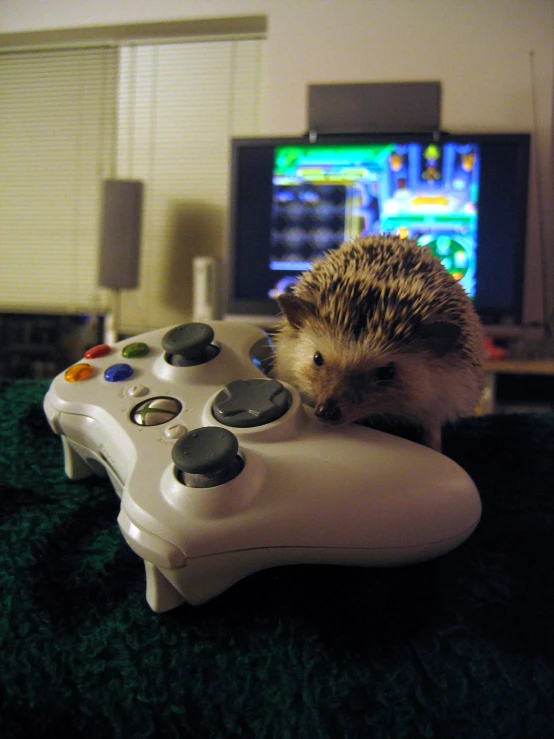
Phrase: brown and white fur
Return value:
(378, 329)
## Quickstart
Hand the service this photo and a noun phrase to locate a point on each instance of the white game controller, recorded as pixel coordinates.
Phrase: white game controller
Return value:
(223, 472)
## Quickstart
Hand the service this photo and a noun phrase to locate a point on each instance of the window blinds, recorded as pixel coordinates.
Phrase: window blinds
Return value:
(161, 113)
(179, 105)
(57, 115)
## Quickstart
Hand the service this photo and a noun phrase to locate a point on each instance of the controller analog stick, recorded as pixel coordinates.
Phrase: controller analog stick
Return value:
(189, 345)
(207, 457)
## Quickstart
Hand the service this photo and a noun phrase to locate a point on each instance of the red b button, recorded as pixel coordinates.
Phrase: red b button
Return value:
(96, 352)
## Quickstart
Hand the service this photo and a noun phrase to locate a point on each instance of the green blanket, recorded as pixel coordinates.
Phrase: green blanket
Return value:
(462, 646)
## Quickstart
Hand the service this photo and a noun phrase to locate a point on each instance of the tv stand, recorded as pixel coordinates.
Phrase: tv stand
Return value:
(527, 385)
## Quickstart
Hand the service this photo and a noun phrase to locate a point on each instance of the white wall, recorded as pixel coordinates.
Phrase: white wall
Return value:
(478, 49)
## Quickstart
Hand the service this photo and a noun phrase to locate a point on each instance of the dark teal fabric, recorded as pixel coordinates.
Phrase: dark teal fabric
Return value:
(460, 647)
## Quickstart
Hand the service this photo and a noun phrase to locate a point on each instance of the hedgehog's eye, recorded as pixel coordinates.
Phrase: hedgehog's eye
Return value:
(386, 373)
(318, 359)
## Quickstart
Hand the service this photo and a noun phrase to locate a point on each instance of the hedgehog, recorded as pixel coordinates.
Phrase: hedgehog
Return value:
(378, 331)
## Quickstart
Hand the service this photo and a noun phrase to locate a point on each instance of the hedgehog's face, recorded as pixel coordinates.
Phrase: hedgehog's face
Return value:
(342, 395)
(343, 383)
(344, 380)
(347, 379)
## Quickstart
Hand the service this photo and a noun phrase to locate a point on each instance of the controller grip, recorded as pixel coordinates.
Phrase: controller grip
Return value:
(161, 596)
(75, 466)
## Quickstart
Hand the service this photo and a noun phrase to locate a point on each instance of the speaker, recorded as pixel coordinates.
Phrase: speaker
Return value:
(120, 234)
(206, 289)
(380, 107)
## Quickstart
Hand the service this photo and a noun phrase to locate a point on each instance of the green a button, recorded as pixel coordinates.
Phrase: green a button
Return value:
(136, 350)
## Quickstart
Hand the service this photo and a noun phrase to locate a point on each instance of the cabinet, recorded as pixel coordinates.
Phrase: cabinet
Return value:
(34, 346)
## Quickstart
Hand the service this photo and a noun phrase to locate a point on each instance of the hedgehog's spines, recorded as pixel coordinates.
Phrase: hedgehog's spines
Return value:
(381, 287)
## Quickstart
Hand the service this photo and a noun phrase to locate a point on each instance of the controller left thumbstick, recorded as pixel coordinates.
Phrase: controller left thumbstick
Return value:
(189, 345)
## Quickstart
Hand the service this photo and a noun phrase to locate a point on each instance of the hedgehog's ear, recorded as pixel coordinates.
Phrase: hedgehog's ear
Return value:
(438, 336)
(295, 310)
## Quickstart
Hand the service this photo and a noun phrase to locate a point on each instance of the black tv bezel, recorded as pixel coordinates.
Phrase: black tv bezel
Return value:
(265, 312)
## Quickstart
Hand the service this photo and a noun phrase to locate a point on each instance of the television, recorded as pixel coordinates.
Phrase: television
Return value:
(464, 197)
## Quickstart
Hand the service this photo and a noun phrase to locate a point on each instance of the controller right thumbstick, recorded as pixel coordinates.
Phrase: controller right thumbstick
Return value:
(207, 457)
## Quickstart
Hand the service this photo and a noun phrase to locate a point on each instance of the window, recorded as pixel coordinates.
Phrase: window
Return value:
(162, 113)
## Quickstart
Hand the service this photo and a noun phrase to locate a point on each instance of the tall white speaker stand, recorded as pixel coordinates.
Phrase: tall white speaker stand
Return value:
(112, 319)
(206, 289)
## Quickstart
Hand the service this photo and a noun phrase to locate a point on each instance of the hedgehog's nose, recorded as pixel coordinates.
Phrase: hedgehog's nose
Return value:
(328, 411)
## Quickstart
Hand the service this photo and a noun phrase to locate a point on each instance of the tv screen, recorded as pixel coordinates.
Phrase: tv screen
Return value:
(462, 197)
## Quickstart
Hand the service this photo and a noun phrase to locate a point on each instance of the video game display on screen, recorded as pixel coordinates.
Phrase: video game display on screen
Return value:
(324, 195)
